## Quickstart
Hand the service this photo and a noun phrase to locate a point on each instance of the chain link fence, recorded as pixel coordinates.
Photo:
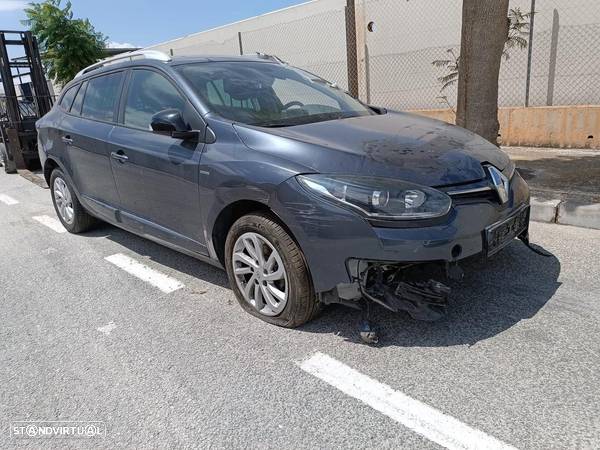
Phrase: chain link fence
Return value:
(315, 43)
(565, 68)
(403, 54)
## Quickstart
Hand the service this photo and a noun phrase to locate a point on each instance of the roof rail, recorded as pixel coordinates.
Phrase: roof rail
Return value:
(271, 57)
(138, 54)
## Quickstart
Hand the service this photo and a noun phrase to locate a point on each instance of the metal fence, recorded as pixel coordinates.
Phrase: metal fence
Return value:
(391, 52)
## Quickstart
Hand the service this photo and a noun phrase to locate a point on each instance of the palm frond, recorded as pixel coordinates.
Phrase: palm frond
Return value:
(441, 62)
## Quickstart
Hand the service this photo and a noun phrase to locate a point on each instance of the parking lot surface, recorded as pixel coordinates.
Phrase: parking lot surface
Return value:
(109, 327)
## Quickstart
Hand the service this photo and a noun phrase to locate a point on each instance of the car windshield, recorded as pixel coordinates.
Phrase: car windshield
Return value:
(269, 94)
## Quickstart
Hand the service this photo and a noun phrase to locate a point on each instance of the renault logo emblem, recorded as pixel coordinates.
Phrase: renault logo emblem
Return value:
(500, 182)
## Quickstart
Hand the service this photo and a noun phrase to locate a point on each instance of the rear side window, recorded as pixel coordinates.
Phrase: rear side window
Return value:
(76, 108)
(101, 97)
(67, 99)
(149, 93)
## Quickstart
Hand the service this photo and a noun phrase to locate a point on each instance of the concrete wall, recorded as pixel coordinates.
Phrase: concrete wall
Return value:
(550, 126)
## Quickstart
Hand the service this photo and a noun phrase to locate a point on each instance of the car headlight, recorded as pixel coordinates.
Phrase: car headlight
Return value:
(380, 198)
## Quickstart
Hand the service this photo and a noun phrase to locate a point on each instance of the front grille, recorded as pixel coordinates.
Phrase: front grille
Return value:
(478, 191)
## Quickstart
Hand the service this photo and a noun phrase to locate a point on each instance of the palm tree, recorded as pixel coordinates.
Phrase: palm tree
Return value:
(518, 37)
(518, 31)
(451, 65)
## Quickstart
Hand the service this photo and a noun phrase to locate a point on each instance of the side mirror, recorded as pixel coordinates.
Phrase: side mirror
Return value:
(169, 122)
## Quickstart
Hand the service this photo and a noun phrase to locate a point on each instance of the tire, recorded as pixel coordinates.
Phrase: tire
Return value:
(301, 304)
(9, 166)
(80, 220)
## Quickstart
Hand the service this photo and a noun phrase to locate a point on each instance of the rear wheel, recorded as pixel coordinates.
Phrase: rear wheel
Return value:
(9, 166)
(267, 272)
(68, 209)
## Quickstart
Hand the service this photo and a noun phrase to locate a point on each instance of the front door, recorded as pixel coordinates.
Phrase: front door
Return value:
(157, 175)
(85, 129)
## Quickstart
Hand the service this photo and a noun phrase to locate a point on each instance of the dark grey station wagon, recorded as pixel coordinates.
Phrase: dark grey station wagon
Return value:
(304, 195)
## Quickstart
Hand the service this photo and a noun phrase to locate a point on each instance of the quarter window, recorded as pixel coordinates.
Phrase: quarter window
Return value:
(149, 93)
(67, 99)
(101, 97)
(76, 107)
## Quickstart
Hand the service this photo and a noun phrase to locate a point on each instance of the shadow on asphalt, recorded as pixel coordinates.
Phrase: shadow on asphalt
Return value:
(495, 295)
(162, 255)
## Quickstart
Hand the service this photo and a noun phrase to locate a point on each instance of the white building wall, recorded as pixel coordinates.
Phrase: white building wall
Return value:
(396, 59)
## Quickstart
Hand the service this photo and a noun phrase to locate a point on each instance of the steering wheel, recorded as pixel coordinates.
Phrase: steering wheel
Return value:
(293, 103)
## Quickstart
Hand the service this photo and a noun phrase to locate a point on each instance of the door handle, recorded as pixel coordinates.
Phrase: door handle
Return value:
(119, 156)
(67, 139)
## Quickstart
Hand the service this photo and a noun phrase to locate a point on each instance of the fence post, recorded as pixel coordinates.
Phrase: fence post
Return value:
(351, 53)
(530, 52)
(553, 52)
(240, 42)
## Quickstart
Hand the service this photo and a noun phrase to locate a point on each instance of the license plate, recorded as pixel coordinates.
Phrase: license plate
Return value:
(500, 234)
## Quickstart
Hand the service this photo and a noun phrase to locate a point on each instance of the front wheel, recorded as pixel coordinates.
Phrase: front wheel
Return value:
(268, 273)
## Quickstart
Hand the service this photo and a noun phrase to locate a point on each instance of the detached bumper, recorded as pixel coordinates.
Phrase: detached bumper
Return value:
(330, 235)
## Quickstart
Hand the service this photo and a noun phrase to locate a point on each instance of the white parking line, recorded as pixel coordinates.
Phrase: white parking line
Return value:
(8, 200)
(51, 223)
(145, 273)
(419, 417)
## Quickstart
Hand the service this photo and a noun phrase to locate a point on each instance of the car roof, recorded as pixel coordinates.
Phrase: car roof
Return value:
(175, 61)
(172, 61)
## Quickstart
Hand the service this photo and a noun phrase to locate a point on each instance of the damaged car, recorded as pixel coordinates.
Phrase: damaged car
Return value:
(303, 194)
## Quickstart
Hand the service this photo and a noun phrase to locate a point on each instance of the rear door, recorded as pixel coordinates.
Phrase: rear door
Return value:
(157, 175)
(86, 130)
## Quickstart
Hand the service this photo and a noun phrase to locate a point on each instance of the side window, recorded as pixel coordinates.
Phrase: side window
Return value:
(67, 99)
(149, 93)
(101, 97)
(76, 107)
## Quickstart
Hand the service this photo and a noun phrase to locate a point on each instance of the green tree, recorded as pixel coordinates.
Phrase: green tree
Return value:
(67, 44)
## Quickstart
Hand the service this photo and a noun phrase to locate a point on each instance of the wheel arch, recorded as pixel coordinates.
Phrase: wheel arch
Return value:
(231, 213)
(49, 166)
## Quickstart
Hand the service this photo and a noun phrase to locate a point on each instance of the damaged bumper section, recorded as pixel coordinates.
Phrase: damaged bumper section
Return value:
(398, 287)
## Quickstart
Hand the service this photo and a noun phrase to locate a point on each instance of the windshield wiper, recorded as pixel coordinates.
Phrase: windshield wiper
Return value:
(303, 120)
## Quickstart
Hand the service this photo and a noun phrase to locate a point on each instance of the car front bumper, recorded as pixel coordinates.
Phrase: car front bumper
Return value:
(330, 236)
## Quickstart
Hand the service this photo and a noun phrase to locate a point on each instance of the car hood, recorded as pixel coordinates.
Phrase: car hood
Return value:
(395, 145)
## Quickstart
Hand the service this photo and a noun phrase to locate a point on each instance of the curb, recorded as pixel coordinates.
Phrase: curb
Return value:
(566, 212)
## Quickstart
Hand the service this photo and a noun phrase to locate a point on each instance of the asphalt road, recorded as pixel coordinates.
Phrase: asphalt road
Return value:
(515, 362)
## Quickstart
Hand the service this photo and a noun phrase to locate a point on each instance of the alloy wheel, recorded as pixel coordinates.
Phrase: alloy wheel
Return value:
(260, 274)
(64, 201)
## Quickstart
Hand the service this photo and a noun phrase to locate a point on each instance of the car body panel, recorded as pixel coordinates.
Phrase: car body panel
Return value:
(159, 182)
(87, 160)
(394, 145)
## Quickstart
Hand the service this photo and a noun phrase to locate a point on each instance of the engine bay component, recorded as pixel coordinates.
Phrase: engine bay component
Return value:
(398, 288)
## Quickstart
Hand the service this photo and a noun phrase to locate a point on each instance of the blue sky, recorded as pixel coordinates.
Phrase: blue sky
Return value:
(145, 22)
